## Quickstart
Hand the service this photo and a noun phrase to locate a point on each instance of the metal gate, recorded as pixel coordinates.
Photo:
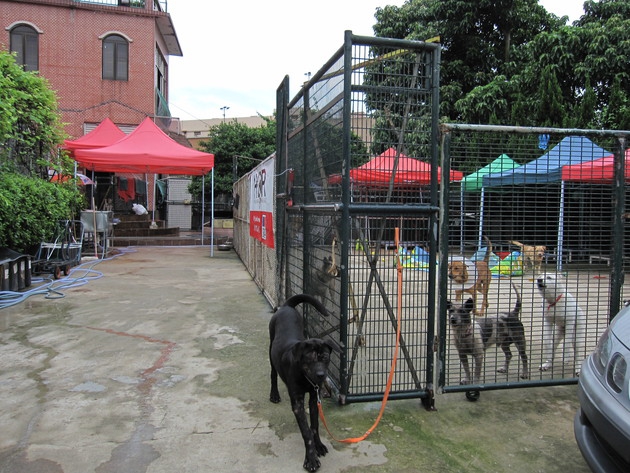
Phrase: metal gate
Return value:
(178, 208)
(375, 99)
(562, 194)
(360, 154)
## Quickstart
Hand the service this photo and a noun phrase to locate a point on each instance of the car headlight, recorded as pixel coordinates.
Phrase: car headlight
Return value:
(616, 373)
(602, 352)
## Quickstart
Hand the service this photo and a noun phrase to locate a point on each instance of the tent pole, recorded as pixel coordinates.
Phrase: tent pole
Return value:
(461, 219)
(483, 193)
(203, 205)
(560, 229)
(153, 224)
(212, 217)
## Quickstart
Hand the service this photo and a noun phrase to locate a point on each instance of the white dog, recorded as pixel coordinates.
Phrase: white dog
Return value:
(563, 320)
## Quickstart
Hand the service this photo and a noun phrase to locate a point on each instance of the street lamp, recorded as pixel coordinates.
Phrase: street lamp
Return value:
(224, 108)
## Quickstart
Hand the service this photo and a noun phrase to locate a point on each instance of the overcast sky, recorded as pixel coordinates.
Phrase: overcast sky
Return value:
(237, 52)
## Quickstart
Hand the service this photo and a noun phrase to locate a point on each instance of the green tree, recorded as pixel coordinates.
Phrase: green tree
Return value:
(616, 113)
(228, 140)
(550, 111)
(586, 59)
(586, 116)
(511, 62)
(30, 124)
(30, 133)
(478, 40)
(487, 104)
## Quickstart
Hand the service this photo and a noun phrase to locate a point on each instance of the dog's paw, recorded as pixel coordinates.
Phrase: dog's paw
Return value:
(545, 366)
(311, 464)
(524, 375)
(322, 450)
(501, 370)
(274, 397)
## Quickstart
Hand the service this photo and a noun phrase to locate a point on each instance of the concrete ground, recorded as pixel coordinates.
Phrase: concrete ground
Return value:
(156, 361)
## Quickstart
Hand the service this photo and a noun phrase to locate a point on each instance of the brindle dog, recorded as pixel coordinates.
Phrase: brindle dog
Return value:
(473, 337)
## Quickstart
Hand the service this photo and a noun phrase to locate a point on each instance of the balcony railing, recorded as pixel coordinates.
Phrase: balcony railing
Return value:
(157, 5)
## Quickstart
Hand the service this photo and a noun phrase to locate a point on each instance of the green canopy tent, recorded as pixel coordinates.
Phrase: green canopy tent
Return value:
(474, 183)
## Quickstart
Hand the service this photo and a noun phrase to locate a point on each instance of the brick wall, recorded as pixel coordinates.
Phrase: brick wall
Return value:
(70, 58)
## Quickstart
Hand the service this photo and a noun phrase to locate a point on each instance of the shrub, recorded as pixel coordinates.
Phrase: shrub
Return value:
(31, 207)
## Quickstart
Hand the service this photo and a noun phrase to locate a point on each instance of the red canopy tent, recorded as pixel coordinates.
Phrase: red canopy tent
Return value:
(105, 134)
(599, 171)
(146, 150)
(149, 150)
(377, 172)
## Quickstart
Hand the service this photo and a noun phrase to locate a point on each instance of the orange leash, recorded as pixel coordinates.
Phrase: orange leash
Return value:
(392, 370)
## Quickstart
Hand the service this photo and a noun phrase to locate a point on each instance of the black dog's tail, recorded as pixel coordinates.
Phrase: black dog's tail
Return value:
(298, 299)
(515, 314)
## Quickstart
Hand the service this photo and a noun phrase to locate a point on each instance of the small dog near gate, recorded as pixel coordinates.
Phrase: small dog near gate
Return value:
(458, 273)
(533, 255)
(564, 320)
(303, 366)
(473, 337)
(322, 279)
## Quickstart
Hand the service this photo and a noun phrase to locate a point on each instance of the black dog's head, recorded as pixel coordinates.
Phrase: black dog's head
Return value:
(460, 315)
(313, 356)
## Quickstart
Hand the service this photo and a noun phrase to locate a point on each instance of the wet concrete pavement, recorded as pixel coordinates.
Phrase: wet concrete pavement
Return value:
(158, 363)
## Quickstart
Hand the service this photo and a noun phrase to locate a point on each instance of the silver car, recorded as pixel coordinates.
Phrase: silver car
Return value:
(602, 423)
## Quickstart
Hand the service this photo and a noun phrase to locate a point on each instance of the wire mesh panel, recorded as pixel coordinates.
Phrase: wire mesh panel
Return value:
(360, 162)
(377, 290)
(537, 223)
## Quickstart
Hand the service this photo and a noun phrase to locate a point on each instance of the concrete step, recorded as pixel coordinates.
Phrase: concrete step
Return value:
(185, 238)
(146, 232)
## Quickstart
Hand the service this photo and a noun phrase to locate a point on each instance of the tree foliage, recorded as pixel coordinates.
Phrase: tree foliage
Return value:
(30, 132)
(30, 124)
(512, 62)
(234, 140)
(31, 207)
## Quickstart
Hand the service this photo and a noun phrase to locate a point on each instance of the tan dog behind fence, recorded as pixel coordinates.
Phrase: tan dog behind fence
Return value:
(459, 274)
(533, 255)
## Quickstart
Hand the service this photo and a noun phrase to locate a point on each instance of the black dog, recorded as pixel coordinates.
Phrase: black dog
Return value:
(303, 366)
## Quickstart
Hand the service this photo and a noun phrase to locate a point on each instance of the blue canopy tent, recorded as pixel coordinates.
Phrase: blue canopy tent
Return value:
(548, 169)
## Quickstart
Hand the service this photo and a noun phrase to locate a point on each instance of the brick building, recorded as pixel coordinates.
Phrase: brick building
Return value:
(104, 58)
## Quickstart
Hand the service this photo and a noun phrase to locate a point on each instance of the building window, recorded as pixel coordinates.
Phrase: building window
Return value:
(25, 43)
(161, 74)
(115, 58)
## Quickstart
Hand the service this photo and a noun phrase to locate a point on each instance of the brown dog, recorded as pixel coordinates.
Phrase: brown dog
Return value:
(458, 273)
(533, 255)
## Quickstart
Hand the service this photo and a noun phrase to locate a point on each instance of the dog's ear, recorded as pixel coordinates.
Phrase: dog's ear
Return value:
(469, 305)
(449, 305)
(301, 348)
